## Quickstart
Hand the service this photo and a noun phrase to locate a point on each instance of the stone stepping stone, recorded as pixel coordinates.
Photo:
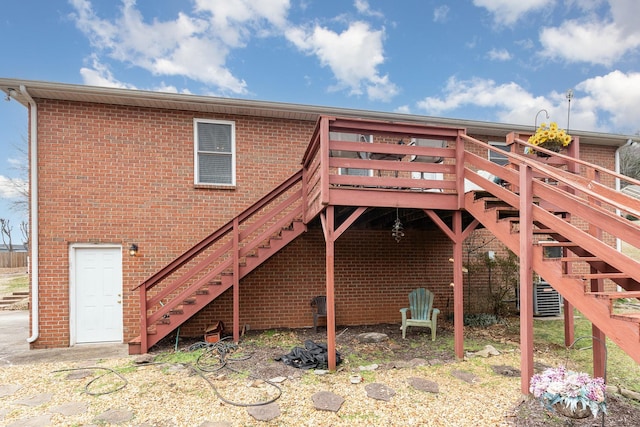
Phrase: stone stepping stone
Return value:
(379, 391)
(507, 371)
(371, 367)
(39, 421)
(9, 389)
(114, 416)
(372, 337)
(36, 400)
(264, 412)
(71, 408)
(423, 384)
(465, 376)
(409, 363)
(327, 401)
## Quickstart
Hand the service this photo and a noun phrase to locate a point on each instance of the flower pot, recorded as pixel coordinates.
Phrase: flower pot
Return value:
(578, 413)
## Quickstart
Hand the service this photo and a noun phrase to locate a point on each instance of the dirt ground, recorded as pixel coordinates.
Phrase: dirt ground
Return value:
(396, 352)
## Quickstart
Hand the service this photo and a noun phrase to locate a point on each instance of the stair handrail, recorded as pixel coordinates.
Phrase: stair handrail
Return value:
(616, 225)
(632, 205)
(152, 280)
(582, 163)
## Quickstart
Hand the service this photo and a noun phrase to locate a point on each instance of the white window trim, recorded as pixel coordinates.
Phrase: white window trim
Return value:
(196, 175)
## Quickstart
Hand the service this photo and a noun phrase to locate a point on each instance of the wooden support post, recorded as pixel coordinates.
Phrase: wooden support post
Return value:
(236, 280)
(569, 330)
(597, 285)
(328, 224)
(526, 278)
(458, 291)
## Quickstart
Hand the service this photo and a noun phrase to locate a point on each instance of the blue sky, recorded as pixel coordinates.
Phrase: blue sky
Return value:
(492, 60)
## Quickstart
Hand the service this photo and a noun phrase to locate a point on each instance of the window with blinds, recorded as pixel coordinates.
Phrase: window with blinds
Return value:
(214, 152)
(497, 157)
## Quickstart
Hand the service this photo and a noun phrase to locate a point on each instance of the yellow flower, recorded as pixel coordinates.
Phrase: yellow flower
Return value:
(550, 135)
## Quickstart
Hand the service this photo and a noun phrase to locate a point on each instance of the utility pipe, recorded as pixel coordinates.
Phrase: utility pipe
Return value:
(33, 210)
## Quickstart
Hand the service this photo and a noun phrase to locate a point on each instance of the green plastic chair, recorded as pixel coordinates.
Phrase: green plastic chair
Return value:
(422, 312)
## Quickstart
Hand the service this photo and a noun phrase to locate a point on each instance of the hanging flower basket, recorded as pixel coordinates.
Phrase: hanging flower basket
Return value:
(550, 137)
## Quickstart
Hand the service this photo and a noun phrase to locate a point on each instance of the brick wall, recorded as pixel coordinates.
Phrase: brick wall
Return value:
(373, 277)
(122, 175)
(125, 175)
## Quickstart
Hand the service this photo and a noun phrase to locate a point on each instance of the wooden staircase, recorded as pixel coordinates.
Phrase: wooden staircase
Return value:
(200, 275)
(590, 274)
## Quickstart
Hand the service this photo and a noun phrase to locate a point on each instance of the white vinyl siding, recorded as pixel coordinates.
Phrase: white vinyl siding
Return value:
(215, 152)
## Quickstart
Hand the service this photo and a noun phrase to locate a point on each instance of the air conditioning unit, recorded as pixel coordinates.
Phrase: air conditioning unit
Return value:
(546, 300)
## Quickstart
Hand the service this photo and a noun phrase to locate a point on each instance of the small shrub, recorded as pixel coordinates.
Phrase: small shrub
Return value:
(480, 320)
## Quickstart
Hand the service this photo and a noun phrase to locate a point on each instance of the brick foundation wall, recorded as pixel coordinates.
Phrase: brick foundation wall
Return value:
(373, 277)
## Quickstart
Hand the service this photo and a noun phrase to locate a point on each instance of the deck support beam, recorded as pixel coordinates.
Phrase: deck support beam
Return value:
(526, 278)
(331, 234)
(457, 235)
(236, 280)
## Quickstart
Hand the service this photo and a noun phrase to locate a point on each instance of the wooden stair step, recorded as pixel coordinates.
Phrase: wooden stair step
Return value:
(579, 259)
(189, 301)
(628, 317)
(177, 310)
(615, 295)
(587, 276)
(554, 244)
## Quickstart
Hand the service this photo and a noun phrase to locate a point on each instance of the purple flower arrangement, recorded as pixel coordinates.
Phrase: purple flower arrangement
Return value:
(569, 388)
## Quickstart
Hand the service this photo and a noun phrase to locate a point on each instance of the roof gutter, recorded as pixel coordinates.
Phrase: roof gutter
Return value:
(33, 210)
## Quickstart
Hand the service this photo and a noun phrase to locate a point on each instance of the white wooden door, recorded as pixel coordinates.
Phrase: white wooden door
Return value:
(97, 294)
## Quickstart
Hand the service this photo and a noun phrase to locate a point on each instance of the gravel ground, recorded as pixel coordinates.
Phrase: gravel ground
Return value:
(470, 393)
(169, 395)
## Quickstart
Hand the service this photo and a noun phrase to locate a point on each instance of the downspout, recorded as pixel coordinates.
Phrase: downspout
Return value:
(617, 170)
(33, 210)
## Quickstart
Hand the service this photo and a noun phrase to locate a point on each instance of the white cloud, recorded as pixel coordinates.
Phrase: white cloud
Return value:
(480, 92)
(593, 41)
(353, 56)
(508, 12)
(441, 13)
(100, 75)
(362, 6)
(607, 103)
(616, 94)
(499, 55)
(11, 188)
(192, 46)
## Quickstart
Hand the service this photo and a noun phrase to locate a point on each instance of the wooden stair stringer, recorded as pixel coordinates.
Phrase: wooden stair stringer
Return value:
(625, 333)
(224, 283)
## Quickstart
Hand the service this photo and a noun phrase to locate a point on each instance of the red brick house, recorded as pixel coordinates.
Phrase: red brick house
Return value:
(242, 211)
